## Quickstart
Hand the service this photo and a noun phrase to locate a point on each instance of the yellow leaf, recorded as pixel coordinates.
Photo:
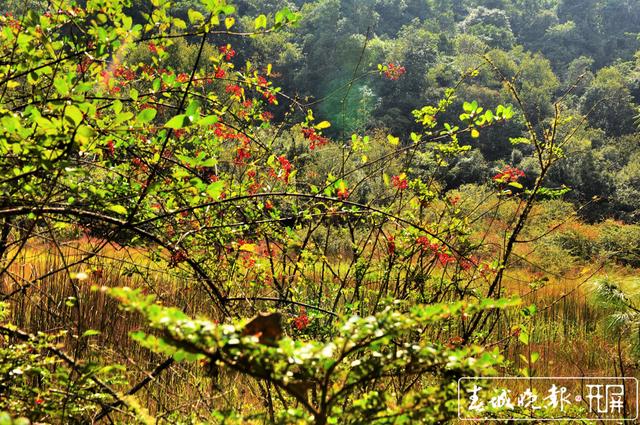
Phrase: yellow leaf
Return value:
(428, 120)
(228, 22)
(249, 247)
(475, 133)
(394, 141)
(322, 125)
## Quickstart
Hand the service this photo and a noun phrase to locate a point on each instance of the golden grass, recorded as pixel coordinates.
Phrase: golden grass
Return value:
(565, 331)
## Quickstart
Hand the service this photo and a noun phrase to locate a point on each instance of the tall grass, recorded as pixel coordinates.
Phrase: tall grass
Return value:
(61, 301)
(565, 331)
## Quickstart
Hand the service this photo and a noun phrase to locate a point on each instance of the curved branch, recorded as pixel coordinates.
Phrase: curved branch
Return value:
(197, 268)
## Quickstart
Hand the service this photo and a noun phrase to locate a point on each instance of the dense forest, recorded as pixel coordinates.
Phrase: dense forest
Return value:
(581, 51)
(319, 212)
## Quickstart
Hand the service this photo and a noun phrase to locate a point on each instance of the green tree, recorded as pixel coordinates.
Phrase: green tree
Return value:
(490, 25)
(608, 102)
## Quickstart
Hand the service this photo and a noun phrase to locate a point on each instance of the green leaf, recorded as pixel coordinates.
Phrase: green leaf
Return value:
(214, 190)
(179, 23)
(118, 209)
(285, 15)
(470, 107)
(179, 355)
(211, 162)
(117, 106)
(488, 116)
(195, 16)
(191, 162)
(534, 357)
(90, 332)
(127, 22)
(73, 114)
(192, 109)
(5, 419)
(85, 133)
(146, 115)
(122, 117)
(61, 86)
(208, 120)
(227, 9)
(393, 141)
(260, 22)
(177, 122)
(523, 337)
